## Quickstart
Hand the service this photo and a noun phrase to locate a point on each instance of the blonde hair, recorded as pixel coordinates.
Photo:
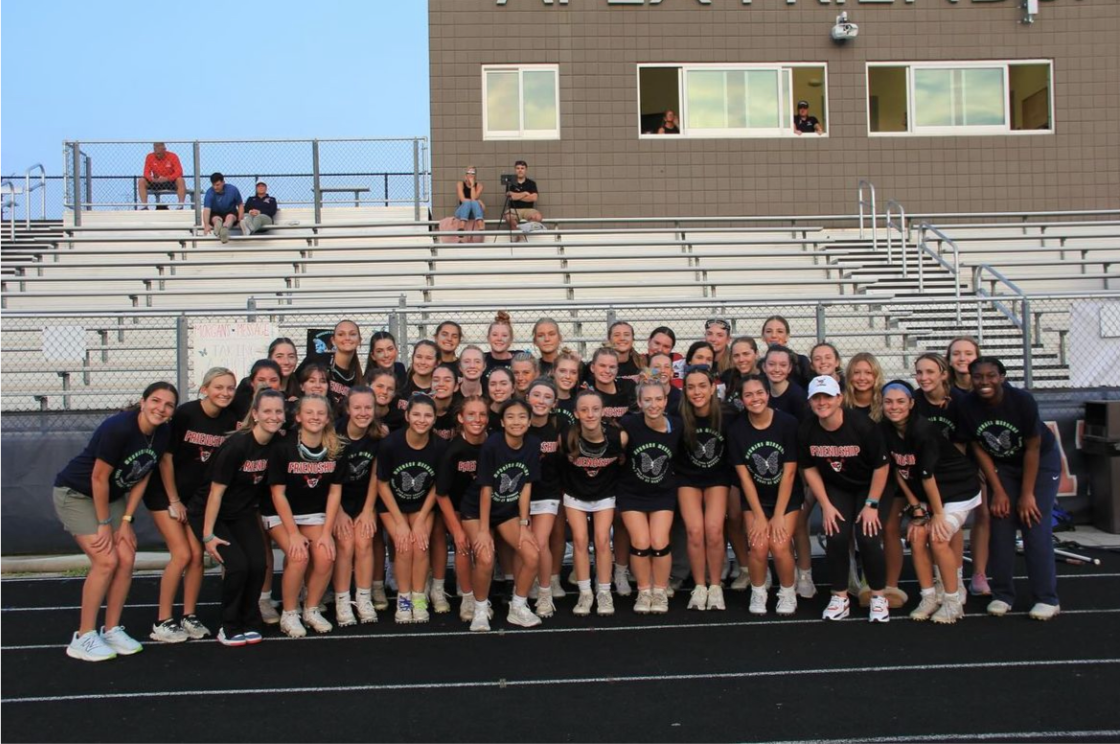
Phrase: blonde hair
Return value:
(330, 436)
(214, 373)
(876, 386)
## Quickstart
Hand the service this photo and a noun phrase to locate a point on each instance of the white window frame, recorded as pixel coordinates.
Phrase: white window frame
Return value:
(1002, 130)
(521, 133)
(785, 100)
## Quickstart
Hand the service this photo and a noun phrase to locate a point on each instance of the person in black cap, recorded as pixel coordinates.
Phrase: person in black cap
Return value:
(803, 123)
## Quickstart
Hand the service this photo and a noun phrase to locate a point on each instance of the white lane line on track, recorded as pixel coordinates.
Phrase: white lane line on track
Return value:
(824, 587)
(518, 633)
(993, 736)
(508, 683)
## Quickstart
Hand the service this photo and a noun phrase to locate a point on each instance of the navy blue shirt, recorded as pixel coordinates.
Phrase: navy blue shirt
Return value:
(1002, 429)
(225, 202)
(120, 443)
(267, 205)
(764, 453)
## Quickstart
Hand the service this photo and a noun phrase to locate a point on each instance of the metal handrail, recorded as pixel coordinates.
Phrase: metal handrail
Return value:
(954, 268)
(903, 231)
(1023, 322)
(874, 214)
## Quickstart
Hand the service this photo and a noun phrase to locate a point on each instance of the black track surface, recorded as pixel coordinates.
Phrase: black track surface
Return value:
(686, 676)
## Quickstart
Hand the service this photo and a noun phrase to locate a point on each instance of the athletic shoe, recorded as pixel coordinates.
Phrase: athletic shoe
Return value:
(557, 590)
(896, 598)
(466, 608)
(927, 607)
(949, 612)
(520, 614)
(545, 607)
(604, 603)
(806, 589)
(168, 631)
(621, 582)
(998, 608)
(238, 639)
(89, 647)
(978, 586)
(121, 642)
(290, 624)
(741, 582)
(194, 628)
(420, 608)
(380, 599)
(253, 637)
(715, 598)
(269, 615)
(838, 607)
(404, 609)
(223, 234)
(758, 601)
(698, 600)
(787, 601)
(480, 622)
(313, 618)
(367, 613)
(439, 600)
(344, 610)
(1043, 611)
(583, 604)
(644, 602)
(880, 610)
(659, 602)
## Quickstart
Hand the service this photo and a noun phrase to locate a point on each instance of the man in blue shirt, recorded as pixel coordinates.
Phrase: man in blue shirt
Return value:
(222, 208)
(261, 210)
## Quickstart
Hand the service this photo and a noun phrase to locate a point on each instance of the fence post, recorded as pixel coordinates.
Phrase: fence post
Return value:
(315, 181)
(416, 179)
(76, 167)
(251, 306)
(182, 354)
(612, 316)
(402, 321)
(196, 198)
(820, 323)
(1028, 362)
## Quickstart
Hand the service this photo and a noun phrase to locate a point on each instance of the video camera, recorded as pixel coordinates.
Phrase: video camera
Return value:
(508, 180)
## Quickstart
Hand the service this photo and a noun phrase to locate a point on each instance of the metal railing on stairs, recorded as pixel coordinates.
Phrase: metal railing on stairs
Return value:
(11, 190)
(1022, 321)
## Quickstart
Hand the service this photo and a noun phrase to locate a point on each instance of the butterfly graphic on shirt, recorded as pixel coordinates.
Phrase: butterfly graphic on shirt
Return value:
(705, 452)
(652, 465)
(766, 465)
(135, 474)
(508, 486)
(413, 485)
(1000, 443)
(357, 469)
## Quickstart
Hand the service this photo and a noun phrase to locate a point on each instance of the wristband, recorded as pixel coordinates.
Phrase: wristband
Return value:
(873, 503)
(127, 518)
(208, 538)
(104, 522)
(523, 522)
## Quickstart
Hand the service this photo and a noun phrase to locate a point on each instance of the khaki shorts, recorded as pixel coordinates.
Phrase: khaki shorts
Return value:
(522, 214)
(75, 511)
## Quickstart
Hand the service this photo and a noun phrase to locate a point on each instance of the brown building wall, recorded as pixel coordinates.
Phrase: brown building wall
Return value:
(600, 167)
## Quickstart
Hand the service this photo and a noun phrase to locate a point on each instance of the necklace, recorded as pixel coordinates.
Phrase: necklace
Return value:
(308, 455)
(587, 449)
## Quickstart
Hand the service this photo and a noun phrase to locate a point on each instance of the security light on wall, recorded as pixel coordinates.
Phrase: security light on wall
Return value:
(844, 30)
(1030, 10)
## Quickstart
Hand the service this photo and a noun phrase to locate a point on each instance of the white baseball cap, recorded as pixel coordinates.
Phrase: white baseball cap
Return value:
(824, 384)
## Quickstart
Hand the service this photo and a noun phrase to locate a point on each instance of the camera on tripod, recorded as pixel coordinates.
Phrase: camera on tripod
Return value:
(508, 180)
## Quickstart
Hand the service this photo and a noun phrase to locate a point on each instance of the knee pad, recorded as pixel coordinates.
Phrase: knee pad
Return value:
(659, 552)
(641, 552)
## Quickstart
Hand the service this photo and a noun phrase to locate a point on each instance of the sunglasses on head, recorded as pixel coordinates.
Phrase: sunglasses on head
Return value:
(719, 323)
(697, 368)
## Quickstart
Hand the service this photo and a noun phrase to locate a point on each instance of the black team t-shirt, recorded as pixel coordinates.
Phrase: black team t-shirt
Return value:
(924, 452)
(307, 482)
(358, 457)
(241, 465)
(704, 464)
(648, 481)
(765, 453)
(1002, 429)
(793, 401)
(566, 411)
(548, 487)
(590, 473)
(619, 403)
(944, 417)
(410, 473)
(845, 458)
(505, 471)
(457, 470)
(119, 442)
(194, 439)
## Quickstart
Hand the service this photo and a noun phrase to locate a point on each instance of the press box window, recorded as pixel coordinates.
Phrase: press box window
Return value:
(960, 98)
(729, 101)
(521, 102)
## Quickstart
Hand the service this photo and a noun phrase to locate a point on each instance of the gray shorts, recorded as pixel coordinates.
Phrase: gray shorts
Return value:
(75, 511)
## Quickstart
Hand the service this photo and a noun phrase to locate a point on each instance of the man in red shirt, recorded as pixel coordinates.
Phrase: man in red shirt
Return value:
(162, 172)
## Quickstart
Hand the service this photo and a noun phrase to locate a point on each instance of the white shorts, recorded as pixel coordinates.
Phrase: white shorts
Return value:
(589, 506)
(302, 520)
(956, 512)
(545, 506)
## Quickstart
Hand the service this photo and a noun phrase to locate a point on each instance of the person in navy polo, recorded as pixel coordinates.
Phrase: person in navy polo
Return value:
(222, 207)
(260, 210)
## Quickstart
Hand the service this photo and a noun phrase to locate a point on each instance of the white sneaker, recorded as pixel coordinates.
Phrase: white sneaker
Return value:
(313, 619)
(880, 610)
(621, 582)
(168, 631)
(269, 615)
(290, 624)
(583, 604)
(838, 607)
(89, 647)
(715, 598)
(404, 610)
(194, 627)
(659, 602)
(420, 612)
(1043, 611)
(741, 582)
(344, 610)
(557, 590)
(758, 601)
(998, 608)
(466, 608)
(604, 603)
(545, 607)
(367, 613)
(121, 642)
(698, 600)
(806, 589)
(644, 602)
(925, 609)
(439, 600)
(787, 601)
(520, 614)
(949, 612)
(480, 621)
(380, 598)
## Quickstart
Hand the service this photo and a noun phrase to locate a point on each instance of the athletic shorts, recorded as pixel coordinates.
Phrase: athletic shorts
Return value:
(162, 186)
(589, 506)
(544, 506)
(796, 500)
(223, 215)
(302, 520)
(75, 511)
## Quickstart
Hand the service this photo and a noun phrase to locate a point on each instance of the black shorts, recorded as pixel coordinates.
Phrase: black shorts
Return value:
(162, 186)
(156, 501)
(795, 502)
(222, 215)
(352, 507)
(645, 504)
(499, 513)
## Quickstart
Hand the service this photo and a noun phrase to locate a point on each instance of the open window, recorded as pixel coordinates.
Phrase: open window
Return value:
(521, 102)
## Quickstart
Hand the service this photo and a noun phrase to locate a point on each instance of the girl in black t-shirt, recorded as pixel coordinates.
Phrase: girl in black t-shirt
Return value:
(264, 373)
(661, 367)
(545, 504)
(785, 394)
(824, 359)
(344, 365)
(283, 351)
(525, 368)
(425, 357)
(547, 338)
(620, 337)
(472, 365)
(775, 332)
(445, 381)
(305, 476)
(383, 383)
(744, 363)
(717, 332)
(762, 447)
(498, 502)
(198, 428)
(313, 378)
(448, 335)
(499, 389)
(224, 517)
(843, 461)
(566, 375)
(500, 337)
(383, 356)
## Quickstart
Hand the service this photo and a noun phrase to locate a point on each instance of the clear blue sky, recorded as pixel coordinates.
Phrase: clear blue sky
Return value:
(82, 70)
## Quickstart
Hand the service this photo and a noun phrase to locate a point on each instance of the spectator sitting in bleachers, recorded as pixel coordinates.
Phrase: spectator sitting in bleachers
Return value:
(261, 209)
(222, 208)
(471, 206)
(162, 172)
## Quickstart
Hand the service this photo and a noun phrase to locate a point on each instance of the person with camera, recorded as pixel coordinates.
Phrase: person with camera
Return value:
(521, 194)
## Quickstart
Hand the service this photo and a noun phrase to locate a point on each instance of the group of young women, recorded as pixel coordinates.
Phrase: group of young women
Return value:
(501, 454)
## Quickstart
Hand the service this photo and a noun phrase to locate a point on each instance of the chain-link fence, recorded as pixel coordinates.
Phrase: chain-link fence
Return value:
(78, 363)
(329, 172)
